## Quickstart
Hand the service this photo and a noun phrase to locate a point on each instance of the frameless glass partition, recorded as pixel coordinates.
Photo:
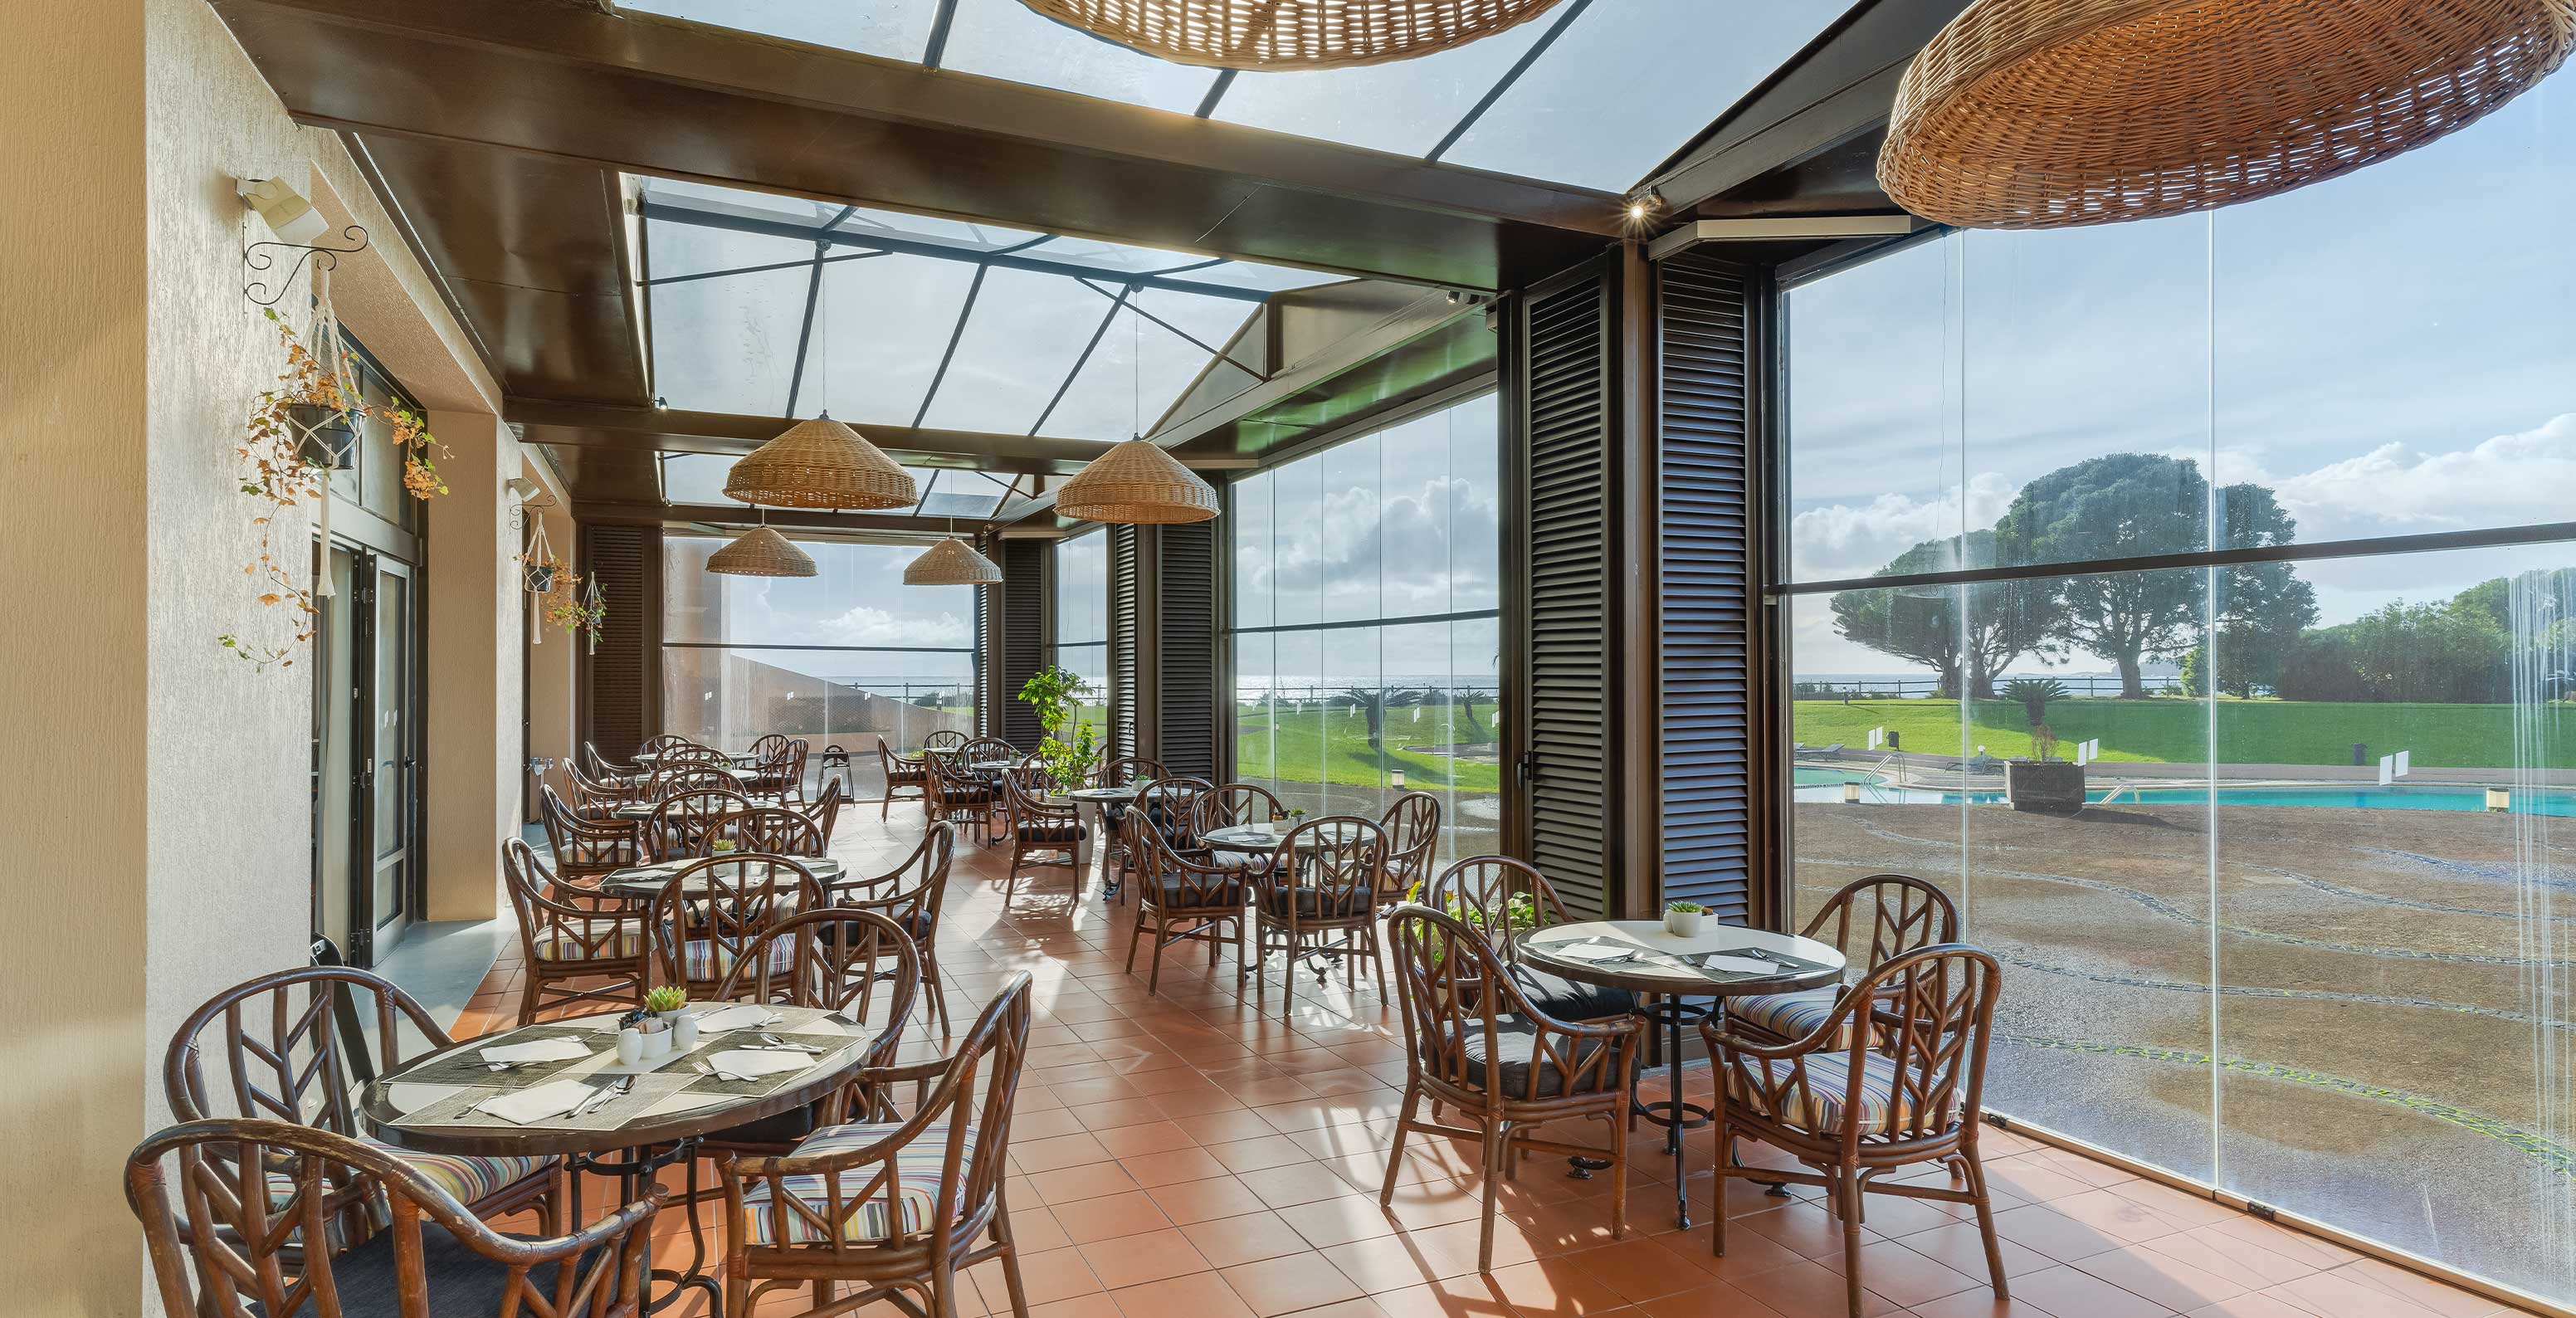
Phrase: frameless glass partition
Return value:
(1367, 652)
(842, 658)
(2191, 601)
(1082, 622)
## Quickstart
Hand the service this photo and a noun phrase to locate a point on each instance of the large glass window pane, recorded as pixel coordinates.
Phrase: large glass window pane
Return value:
(726, 343)
(1005, 39)
(1352, 538)
(1350, 763)
(1022, 340)
(1256, 753)
(1299, 720)
(1297, 546)
(880, 328)
(2391, 1025)
(1413, 518)
(1250, 511)
(1475, 505)
(1475, 730)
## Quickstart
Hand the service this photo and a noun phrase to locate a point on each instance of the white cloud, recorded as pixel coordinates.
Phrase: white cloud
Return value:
(2527, 476)
(862, 625)
(1853, 540)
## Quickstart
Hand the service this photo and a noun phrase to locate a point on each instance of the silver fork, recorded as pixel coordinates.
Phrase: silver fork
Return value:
(781, 1044)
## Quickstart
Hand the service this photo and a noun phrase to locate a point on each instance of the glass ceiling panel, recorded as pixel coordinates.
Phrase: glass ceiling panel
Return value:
(696, 478)
(1140, 367)
(726, 344)
(1405, 107)
(1022, 341)
(1005, 39)
(1631, 81)
(879, 329)
(895, 29)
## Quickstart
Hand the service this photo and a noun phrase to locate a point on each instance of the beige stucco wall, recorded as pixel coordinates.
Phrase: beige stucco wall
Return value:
(476, 612)
(550, 665)
(128, 360)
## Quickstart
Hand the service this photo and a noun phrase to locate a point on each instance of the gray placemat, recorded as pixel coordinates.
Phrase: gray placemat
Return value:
(466, 1066)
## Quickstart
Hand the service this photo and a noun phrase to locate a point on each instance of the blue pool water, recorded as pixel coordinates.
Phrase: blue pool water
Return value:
(1822, 785)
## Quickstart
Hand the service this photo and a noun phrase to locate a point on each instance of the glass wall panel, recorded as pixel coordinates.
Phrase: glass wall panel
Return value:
(2267, 849)
(1396, 530)
(1082, 619)
(838, 658)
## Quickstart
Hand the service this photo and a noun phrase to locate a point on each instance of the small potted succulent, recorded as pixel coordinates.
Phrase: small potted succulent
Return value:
(721, 846)
(1682, 919)
(665, 1014)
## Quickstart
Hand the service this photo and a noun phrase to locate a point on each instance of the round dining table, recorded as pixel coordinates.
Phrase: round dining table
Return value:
(1094, 803)
(643, 883)
(1722, 961)
(629, 1122)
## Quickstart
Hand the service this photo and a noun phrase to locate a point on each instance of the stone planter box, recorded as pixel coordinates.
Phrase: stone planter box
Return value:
(2054, 787)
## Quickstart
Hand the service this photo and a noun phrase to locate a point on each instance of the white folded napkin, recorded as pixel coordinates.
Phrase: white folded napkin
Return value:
(1737, 965)
(1592, 951)
(405, 1097)
(552, 1099)
(750, 1062)
(538, 1050)
(739, 1016)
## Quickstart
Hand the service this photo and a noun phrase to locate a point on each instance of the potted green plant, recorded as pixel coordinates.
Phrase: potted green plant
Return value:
(2040, 782)
(1071, 749)
(1682, 919)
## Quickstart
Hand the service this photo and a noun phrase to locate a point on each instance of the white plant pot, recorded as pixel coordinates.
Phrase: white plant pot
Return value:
(1683, 924)
(657, 1043)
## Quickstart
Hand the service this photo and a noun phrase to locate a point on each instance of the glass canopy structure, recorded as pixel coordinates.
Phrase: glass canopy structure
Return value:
(1596, 94)
(769, 305)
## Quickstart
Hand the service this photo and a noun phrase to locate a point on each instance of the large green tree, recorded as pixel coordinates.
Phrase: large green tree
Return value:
(2129, 505)
(1970, 632)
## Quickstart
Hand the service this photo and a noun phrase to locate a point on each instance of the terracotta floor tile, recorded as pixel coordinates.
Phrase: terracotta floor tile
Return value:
(2168, 1281)
(2053, 1233)
(2070, 1290)
(1961, 1249)
(1112, 1215)
(1806, 1289)
(1904, 1276)
(1173, 1165)
(1196, 1295)
(1044, 1155)
(1287, 1284)
(1297, 1183)
(1224, 1127)
(2252, 1304)
(1641, 1269)
(1228, 1241)
(1056, 1274)
(1205, 1200)
(1254, 1154)
(1804, 1227)
(1979, 1304)
(1134, 1260)
(1339, 1220)
(1071, 1184)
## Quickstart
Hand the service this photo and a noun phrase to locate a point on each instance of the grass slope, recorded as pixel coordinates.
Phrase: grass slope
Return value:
(1333, 747)
(2177, 730)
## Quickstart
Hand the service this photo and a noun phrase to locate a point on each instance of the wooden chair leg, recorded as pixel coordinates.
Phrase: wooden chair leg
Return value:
(1010, 1261)
(1162, 936)
(1969, 1158)
(1395, 1155)
(1494, 1153)
(1725, 1159)
(1850, 1192)
(1619, 1176)
(528, 997)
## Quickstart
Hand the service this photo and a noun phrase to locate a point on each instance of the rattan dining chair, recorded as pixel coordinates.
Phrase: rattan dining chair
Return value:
(1506, 899)
(902, 773)
(563, 947)
(943, 739)
(1474, 1044)
(1235, 805)
(699, 935)
(893, 1208)
(662, 743)
(912, 895)
(957, 792)
(1121, 772)
(1892, 1077)
(1893, 914)
(854, 963)
(597, 799)
(1412, 824)
(766, 745)
(271, 1048)
(778, 778)
(1185, 898)
(587, 850)
(825, 808)
(1044, 834)
(774, 830)
(1318, 900)
(250, 1195)
(683, 824)
(604, 768)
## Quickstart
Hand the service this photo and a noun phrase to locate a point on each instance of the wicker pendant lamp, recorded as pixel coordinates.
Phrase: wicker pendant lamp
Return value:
(1290, 34)
(821, 464)
(1136, 484)
(760, 552)
(2034, 114)
(952, 562)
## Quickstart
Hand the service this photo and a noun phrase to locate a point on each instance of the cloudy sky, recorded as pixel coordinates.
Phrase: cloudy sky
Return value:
(2392, 353)
(856, 597)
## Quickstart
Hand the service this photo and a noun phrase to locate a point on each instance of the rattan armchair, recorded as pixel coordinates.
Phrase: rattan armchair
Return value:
(597, 799)
(778, 776)
(894, 1208)
(943, 739)
(1903, 913)
(1185, 898)
(858, 964)
(252, 1194)
(1319, 900)
(684, 823)
(1893, 1076)
(1235, 805)
(1474, 1044)
(772, 830)
(710, 913)
(912, 895)
(825, 809)
(957, 792)
(1412, 824)
(1045, 834)
(563, 946)
(902, 773)
(587, 850)
(1506, 898)
(276, 1050)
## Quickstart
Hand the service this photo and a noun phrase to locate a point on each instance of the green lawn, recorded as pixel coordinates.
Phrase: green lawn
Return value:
(2175, 729)
(1333, 747)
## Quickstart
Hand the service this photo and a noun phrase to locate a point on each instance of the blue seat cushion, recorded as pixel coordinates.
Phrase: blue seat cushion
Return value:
(1567, 1000)
(1515, 1056)
(1318, 903)
(460, 1280)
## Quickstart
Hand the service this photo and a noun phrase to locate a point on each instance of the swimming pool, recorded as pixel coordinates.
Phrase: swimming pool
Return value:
(1814, 785)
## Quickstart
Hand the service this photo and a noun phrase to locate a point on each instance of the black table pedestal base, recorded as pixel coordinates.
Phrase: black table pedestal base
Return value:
(634, 1170)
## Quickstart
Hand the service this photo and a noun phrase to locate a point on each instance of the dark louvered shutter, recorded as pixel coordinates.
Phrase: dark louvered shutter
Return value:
(1024, 639)
(1185, 653)
(1707, 601)
(622, 677)
(1566, 416)
(987, 598)
(1125, 633)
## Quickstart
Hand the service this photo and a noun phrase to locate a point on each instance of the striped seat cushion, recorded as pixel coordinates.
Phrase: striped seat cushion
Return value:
(589, 944)
(1784, 1015)
(1819, 1106)
(465, 1179)
(703, 959)
(916, 1192)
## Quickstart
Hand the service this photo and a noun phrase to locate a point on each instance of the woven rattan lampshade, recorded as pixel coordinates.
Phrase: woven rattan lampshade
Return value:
(1291, 34)
(2031, 114)
(760, 552)
(821, 464)
(952, 562)
(1136, 484)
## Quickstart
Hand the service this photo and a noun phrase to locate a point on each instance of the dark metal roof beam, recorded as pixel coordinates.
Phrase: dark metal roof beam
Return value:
(657, 210)
(659, 280)
(665, 430)
(731, 515)
(1192, 339)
